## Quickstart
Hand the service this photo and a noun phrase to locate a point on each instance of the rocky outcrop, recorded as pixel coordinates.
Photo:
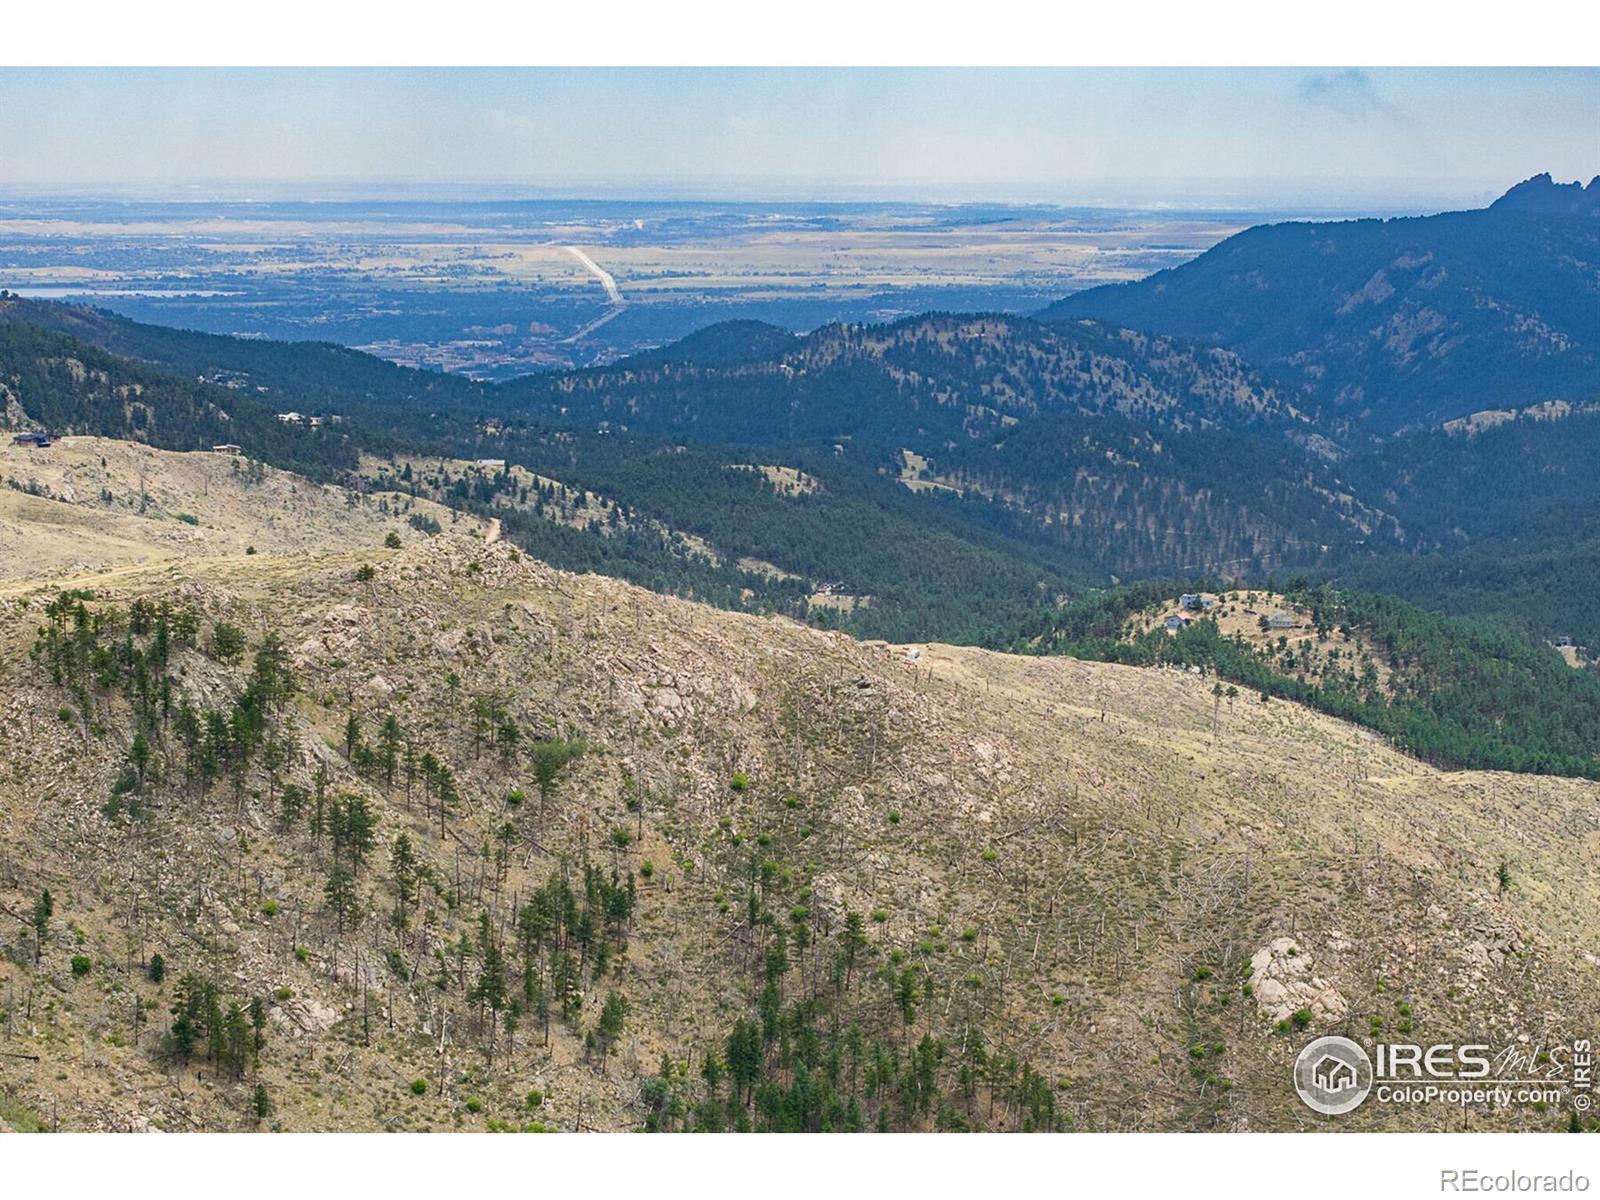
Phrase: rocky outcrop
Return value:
(1283, 981)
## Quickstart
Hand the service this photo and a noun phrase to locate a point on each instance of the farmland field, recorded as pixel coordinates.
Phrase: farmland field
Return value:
(498, 288)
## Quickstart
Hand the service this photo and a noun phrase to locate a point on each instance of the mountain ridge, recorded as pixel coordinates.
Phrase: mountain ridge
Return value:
(1394, 323)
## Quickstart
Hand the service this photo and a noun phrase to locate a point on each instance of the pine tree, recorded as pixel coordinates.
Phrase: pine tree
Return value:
(260, 1103)
(340, 895)
(43, 909)
(490, 989)
(139, 755)
(389, 747)
(403, 866)
(608, 1031)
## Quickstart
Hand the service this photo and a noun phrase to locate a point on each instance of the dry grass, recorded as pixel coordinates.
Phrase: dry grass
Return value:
(1101, 848)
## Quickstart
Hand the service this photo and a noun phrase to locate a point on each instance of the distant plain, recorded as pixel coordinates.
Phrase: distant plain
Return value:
(495, 289)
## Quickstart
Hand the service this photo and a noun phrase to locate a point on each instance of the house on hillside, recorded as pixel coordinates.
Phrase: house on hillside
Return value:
(1280, 620)
(492, 462)
(1175, 622)
(226, 448)
(291, 418)
(36, 440)
(1563, 642)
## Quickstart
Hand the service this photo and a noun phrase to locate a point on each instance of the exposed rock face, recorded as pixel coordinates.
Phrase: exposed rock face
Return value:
(1491, 945)
(304, 1014)
(1283, 981)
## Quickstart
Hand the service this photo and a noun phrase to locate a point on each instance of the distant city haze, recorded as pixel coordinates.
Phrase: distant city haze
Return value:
(1339, 140)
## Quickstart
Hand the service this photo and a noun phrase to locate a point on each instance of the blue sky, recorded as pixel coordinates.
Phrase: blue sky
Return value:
(1074, 135)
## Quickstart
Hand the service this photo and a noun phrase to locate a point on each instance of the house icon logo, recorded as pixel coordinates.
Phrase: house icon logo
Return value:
(1333, 1075)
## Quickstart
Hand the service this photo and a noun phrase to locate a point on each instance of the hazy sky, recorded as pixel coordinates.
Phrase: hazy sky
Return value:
(1070, 134)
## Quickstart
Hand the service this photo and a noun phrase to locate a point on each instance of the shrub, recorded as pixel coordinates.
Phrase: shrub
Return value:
(419, 1087)
(249, 549)
(189, 518)
(81, 964)
(1301, 1018)
(740, 781)
(474, 1105)
(646, 869)
(156, 968)
(270, 908)
(365, 573)
(535, 1098)
(283, 994)
(392, 540)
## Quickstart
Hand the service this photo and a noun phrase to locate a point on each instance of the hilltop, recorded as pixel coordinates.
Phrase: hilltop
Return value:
(89, 505)
(882, 885)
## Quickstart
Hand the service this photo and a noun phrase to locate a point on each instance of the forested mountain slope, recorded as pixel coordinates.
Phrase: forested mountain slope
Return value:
(941, 375)
(1131, 452)
(1398, 322)
(1456, 692)
(55, 382)
(320, 375)
(855, 549)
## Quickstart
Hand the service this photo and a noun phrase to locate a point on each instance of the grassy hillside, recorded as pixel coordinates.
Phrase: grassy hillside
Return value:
(474, 844)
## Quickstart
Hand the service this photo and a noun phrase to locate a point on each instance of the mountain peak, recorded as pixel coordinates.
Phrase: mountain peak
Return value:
(1543, 194)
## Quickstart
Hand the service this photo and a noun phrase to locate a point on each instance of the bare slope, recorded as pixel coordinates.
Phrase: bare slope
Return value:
(87, 504)
(1075, 862)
